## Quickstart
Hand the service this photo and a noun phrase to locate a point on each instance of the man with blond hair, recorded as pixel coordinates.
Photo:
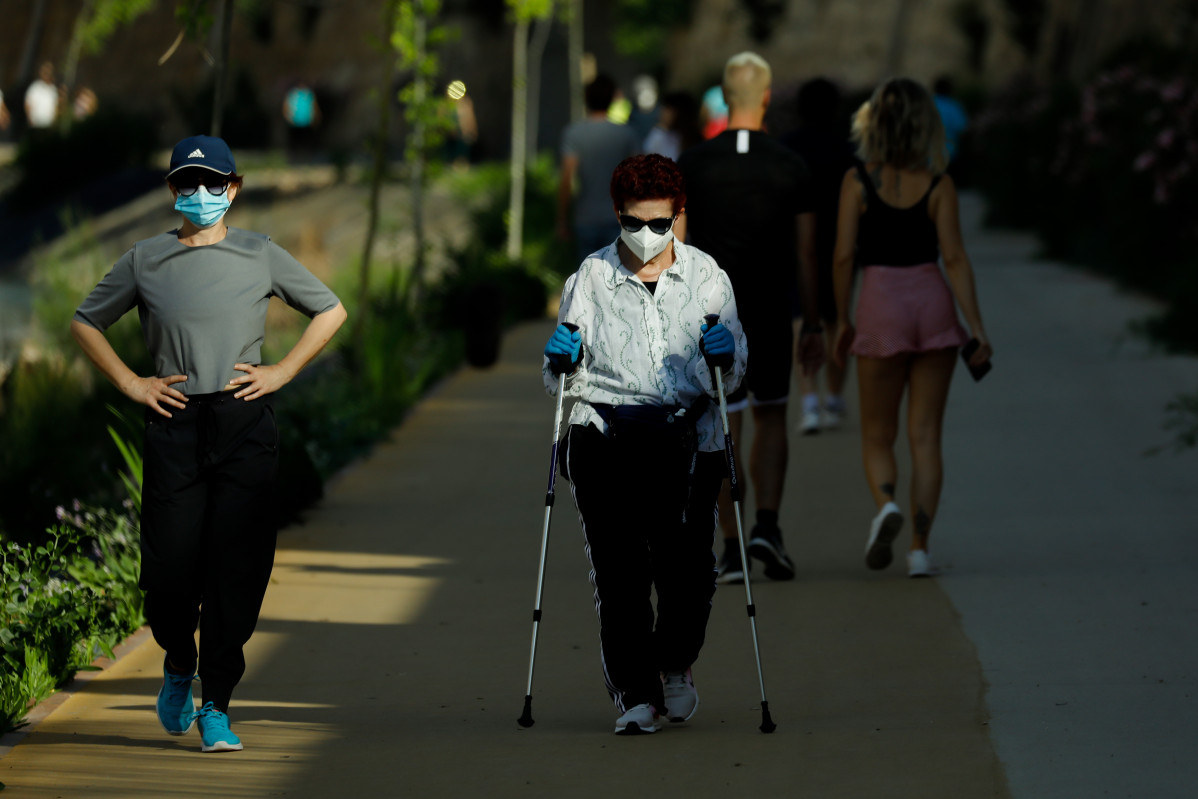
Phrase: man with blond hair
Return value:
(749, 205)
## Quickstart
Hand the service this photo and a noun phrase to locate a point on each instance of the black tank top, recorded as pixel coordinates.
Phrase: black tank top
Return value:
(889, 236)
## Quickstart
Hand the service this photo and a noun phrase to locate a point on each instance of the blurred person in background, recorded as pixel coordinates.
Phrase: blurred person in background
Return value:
(750, 208)
(591, 150)
(42, 100)
(211, 444)
(85, 103)
(645, 108)
(828, 154)
(952, 116)
(643, 452)
(302, 114)
(898, 215)
(713, 114)
(677, 128)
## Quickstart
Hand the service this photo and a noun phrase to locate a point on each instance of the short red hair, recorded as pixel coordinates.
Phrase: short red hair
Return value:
(648, 177)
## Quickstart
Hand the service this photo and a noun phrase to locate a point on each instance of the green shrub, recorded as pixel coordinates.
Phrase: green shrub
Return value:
(64, 602)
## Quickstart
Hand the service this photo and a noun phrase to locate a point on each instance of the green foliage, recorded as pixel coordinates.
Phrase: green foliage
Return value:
(643, 26)
(529, 10)
(64, 602)
(485, 190)
(416, 44)
(106, 17)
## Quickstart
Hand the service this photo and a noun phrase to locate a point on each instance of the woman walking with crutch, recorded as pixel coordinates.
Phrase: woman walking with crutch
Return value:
(898, 215)
(644, 451)
(211, 446)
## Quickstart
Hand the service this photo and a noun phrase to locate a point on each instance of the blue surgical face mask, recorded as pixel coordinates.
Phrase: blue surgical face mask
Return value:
(202, 209)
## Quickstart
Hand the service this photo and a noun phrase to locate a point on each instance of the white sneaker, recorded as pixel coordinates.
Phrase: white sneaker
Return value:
(882, 532)
(919, 564)
(639, 720)
(831, 419)
(682, 700)
(809, 423)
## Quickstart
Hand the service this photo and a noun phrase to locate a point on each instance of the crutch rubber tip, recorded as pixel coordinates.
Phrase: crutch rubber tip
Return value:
(767, 723)
(526, 719)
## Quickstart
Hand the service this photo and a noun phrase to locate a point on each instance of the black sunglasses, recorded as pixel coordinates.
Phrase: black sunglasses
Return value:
(188, 185)
(658, 226)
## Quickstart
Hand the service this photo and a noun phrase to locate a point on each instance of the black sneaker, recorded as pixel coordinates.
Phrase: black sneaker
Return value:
(731, 570)
(766, 546)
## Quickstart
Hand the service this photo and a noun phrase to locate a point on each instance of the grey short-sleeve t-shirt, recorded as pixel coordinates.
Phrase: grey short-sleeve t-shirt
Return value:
(203, 309)
(600, 146)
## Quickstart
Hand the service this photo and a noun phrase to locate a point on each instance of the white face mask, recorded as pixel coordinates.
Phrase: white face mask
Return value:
(645, 244)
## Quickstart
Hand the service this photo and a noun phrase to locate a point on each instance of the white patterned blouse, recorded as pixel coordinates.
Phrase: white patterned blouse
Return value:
(642, 348)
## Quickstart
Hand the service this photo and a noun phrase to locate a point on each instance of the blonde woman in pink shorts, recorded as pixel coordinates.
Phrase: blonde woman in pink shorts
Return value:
(898, 217)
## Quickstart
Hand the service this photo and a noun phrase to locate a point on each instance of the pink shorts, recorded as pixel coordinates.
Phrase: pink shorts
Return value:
(905, 309)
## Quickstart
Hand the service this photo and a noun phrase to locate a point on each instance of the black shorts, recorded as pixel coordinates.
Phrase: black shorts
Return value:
(771, 353)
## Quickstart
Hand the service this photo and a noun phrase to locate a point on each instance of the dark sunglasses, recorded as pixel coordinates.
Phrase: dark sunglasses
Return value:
(658, 226)
(188, 185)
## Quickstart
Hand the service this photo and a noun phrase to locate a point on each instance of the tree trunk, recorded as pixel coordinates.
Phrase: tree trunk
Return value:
(418, 155)
(222, 67)
(574, 53)
(378, 174)
(70, 67)
(33, 41)
(515, 232)
(536, 57)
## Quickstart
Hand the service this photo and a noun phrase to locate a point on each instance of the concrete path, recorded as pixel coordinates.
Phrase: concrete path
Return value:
(1052, 659)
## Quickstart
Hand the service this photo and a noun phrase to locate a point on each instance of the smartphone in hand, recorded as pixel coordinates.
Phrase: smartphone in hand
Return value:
(978, 372)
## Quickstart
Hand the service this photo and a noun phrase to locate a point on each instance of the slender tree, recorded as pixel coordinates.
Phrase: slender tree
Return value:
(378, 173)
(574, 53)
(524, 12)
(536, 55)
(416, 40)
(95, 22)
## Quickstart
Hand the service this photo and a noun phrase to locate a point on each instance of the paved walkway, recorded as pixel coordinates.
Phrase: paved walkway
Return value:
(1053, 659)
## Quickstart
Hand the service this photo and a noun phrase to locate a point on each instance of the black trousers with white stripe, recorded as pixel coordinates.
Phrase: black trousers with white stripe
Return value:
(647, 526)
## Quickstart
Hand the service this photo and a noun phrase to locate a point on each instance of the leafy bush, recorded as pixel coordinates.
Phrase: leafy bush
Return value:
(64, 602)
(1066, 162)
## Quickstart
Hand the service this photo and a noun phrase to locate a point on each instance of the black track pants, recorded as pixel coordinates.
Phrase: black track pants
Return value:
(207, 534)
(631, 499)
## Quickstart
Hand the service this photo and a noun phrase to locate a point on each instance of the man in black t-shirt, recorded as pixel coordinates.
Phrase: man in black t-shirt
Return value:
(749, 206)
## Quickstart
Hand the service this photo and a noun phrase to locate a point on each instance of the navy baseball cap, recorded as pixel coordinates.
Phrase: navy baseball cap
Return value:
(208, 152)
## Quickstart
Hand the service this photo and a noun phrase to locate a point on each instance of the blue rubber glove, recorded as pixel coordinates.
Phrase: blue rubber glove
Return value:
(564, 350)
(718, 346)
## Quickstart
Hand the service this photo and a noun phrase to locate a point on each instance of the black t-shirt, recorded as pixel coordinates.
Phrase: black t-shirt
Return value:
(828, 156)
(743, 192)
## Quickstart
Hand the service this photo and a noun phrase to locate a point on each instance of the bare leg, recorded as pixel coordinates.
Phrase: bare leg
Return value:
(836, 375)
(931, 375)
(767, 460)
(727, 519)
(880, 383)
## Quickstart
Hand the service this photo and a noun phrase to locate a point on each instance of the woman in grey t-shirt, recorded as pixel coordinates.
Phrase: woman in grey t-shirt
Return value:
(211, 447)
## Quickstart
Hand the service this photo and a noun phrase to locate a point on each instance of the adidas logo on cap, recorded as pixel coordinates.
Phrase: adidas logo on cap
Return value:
(195, 154)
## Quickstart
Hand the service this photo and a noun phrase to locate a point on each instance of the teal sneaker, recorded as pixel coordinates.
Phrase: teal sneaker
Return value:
(214, 729)
(176, 706)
